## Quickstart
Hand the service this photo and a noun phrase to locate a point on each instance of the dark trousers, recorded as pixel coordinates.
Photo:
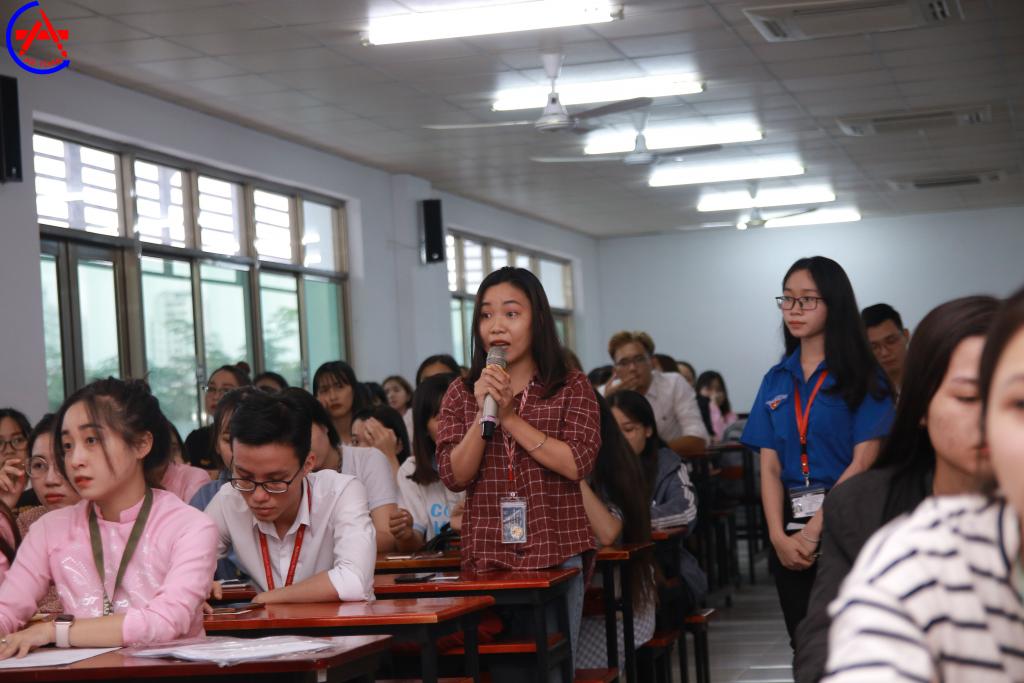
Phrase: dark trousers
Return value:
(794, 589)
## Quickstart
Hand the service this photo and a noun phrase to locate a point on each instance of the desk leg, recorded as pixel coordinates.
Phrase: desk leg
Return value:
(470, 626)
(540, 631)
(568, 661)
(428, 660)
(627, 621)
(610, 630)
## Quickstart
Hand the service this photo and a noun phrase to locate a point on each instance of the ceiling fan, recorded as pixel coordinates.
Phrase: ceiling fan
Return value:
(555, 116)
(756, 220)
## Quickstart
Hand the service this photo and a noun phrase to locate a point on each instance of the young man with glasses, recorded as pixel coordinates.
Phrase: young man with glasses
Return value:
(888, 339)
(302, 536)
(674, 401)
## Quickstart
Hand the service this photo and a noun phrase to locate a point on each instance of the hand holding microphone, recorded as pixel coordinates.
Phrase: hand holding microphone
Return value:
(495, 357)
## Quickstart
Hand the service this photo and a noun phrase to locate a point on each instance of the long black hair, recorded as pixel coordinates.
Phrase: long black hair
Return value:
(908, 450)
(391, 419)
(426, 403)
(545, 347)
(19, 417)
(444, 359)
(222, 416)
(705, 380)
(1009, 320)
(617, 476)
(342, 373)
(636, 407)
(847, 353)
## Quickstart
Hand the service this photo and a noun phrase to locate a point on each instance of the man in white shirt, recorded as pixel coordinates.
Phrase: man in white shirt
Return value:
(302, 536)
(672, 398)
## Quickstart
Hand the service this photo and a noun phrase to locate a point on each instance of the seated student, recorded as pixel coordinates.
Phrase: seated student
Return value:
(935, 596)
(342, 396)
(933, 449)
(368, 465)
(9, 540)
(399, 394)
(439, 364)
(132, 563)
(668, 487)
(198, 449)
(381, 427)
(711, 385)
(52, 488)
(425, 504)
(889, 341)
(599, 376)
(182, 480)
(302, 536)
(672, 399)
(14, 431)
(618, 515)
(688, 372)
(270, 382)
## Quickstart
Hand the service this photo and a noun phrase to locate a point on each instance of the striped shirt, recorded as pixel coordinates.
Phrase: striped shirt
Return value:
(932, 598)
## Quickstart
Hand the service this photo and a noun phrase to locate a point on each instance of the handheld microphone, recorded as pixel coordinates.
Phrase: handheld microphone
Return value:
(496, 356)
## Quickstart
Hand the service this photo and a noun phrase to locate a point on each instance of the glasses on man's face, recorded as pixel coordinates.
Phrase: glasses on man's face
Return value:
(219, 391)
(274, 486)
(38, 467)
(807, 303)
(890, 342)
(639, 360)
(16, 443)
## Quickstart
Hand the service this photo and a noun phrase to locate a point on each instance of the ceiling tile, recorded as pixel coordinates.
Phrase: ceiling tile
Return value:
(259, 40)
(97, 29)
(193, 21)
(189, 69)
(237, 85)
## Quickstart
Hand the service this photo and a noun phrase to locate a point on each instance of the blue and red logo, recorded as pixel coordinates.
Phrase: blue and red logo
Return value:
(20, 40)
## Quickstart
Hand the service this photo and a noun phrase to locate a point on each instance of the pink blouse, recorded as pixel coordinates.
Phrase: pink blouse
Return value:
(8, 535)
(184, 480)
(164, 585)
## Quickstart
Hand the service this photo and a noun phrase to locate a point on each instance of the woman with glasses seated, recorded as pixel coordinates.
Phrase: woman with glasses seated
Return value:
(199, 448)
(674, 402)
(302, 536)
(14, 431)
(817, 420)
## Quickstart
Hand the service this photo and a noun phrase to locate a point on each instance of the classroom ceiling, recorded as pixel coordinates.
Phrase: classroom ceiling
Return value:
(299, 70)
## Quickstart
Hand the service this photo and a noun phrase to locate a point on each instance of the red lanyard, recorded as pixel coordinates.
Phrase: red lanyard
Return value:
(510, 442)
(803, 420)
(299, 535)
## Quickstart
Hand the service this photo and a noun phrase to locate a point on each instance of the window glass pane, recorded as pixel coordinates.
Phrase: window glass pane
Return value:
(51, 332)
(273, 226)
(76, 186)
(467, 330)
(220, 216)
(472, 265)
(170, 334)
(318, 236)
(159, 204)
(323, 321)
(226, 319)
(458, 339)
(552, 276)
(279, 309)
(523, 261)
(450, 260)
(97, 303)
(499, 258)
(560, 328)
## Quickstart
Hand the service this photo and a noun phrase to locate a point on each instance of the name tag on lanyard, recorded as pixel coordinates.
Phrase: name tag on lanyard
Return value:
(513, 506)
(805, 500)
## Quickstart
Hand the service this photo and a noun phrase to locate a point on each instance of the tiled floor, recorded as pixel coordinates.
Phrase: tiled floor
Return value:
(748, 641)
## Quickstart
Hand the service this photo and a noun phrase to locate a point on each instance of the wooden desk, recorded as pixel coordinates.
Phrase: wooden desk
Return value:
(668, 534)
(351, 658)
(244, 594)
(422, 621)
(533, 589)
(608, 558)
(429, 562)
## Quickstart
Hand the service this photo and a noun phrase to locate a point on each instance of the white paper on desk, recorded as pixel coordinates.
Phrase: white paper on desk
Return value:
(55, 656)
(226, 651)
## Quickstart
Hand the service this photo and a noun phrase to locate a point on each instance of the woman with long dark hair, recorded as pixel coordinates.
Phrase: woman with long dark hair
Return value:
(199, 449)
(818, 419)
(711, 387)
(14, 432)
(933, 449)
(524, 509)
(340, 393)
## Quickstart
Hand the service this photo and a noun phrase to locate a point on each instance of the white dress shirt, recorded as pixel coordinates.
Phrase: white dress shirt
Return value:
(675, 406)
(339, 537)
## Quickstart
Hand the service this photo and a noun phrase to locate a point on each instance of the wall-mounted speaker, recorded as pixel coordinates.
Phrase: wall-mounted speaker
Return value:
(433, 231)
(10, 131)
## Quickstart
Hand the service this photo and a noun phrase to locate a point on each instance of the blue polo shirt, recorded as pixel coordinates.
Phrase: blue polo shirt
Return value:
(833, 429)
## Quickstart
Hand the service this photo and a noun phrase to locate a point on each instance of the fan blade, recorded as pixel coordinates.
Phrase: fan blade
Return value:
(798, 213)
(574, 160)
(615, 108)
(471, 126)
(684, 151)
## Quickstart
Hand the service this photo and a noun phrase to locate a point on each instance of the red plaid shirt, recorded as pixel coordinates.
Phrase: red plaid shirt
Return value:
(556, 523)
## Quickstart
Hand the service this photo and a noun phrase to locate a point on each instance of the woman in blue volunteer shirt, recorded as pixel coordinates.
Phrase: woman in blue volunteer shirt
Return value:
(818, 418)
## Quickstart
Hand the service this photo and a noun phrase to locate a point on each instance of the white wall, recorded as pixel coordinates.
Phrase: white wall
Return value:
(707, 297)
(399, 307)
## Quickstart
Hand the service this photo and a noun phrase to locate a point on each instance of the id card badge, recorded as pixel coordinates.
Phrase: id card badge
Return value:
(806, 500)
(513, 520)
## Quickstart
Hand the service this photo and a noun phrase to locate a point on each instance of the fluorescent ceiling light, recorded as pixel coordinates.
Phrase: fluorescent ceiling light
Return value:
(787, 196)
(481, 21)
(597, 91)
(692, 174)
(670, 137)
(815, 218)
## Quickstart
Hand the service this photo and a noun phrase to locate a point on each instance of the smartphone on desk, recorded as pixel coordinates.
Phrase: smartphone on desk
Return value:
(234, 583)
(397, 556)
(444, 578)
(238, 607)
(421, 577)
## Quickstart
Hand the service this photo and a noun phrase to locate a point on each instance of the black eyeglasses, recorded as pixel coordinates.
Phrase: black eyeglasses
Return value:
(274, 486)
(17, 443)
(807, 303)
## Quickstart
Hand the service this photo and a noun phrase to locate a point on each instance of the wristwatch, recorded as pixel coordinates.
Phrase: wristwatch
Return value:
(62, 627)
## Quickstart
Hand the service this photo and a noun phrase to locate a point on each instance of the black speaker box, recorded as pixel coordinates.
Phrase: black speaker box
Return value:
(10, 131)
(433, 231)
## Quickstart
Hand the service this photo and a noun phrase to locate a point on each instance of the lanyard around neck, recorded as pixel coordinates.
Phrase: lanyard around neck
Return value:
(510, 441)
(296, 549)
(129, 548)
(803, 419)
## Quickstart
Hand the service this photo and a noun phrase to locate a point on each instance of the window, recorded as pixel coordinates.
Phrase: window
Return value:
(172, 270)
(470, 259)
